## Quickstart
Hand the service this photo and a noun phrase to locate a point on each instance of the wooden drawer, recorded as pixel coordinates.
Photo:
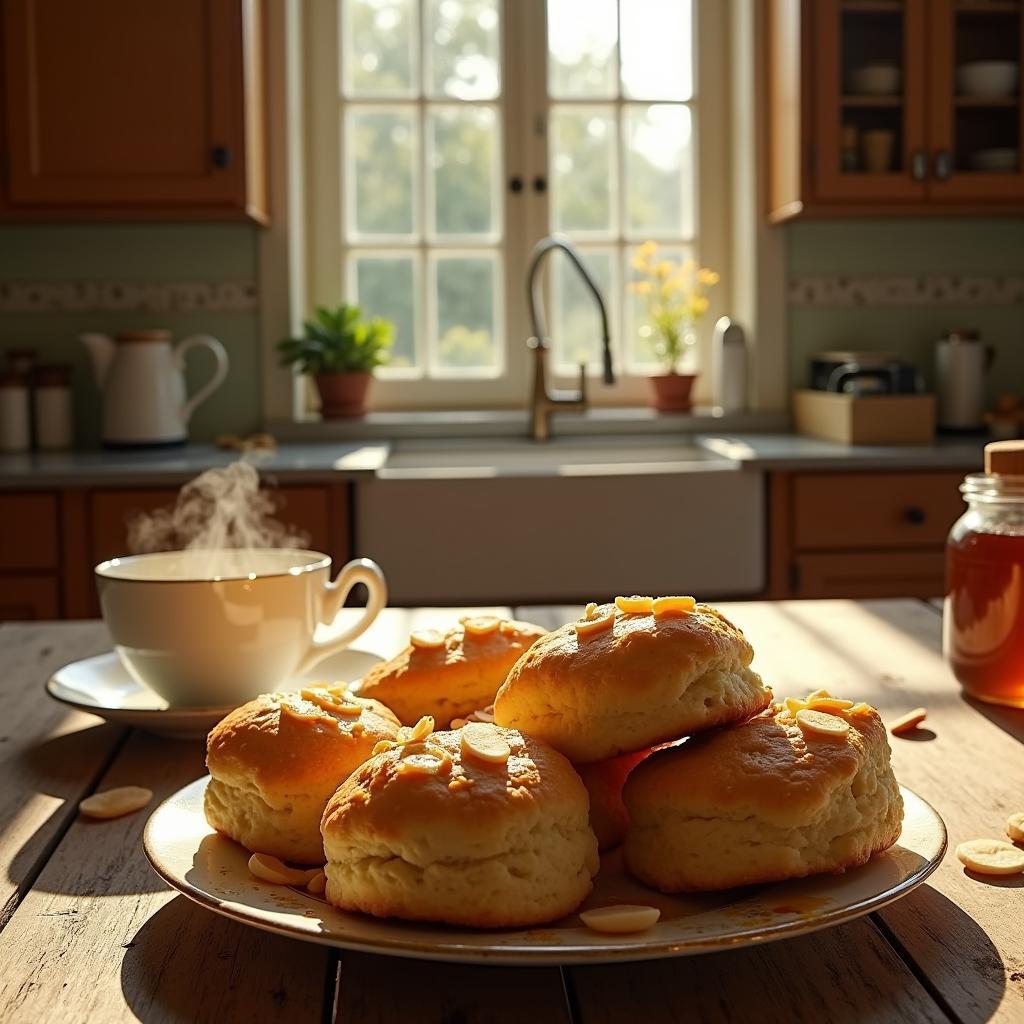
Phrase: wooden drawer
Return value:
(28, 531)
(845, 511)
(871, 574)
(24, 598)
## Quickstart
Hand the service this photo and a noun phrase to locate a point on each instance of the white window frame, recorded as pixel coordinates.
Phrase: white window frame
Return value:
(523, 104)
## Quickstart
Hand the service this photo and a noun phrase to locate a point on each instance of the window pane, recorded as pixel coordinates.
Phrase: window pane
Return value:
(462, 49)
(656, 49)
(465, 297)
(659, 171)
(640, 333)
(583, 165)
(386, 286)
(381, 148)
(379, 55)
(581, 49)
(575, 320)
(464, 159)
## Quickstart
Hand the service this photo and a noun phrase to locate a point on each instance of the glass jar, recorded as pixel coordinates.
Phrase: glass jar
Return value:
(983, 618)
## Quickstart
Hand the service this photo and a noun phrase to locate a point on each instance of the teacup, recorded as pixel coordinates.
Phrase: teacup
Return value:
(216, 628)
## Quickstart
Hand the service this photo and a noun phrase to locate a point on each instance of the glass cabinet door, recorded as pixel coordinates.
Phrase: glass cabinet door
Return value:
(869, 99)
(975, 108)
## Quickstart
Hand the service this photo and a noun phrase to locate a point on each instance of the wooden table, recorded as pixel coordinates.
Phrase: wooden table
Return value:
(89, 933)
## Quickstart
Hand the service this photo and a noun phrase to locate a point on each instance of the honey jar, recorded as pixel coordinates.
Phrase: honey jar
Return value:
(983, 617)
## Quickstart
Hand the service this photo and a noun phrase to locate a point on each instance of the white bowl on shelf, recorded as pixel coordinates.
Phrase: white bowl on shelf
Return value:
(987, 79)
(1000, 160)
(875, 80)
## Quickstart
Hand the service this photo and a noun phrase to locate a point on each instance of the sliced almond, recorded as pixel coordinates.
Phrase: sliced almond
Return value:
(485, 743)
(635, 605)
(1015, 827)
(908, 722)
(590, 612)
(333, 701)
(483, 714)
(674, 605)
(794, 704)
(818, 695)
(861, 708)
(426, 639)
(457, 723)
(598, 624)
(317, 885)
(480, 625)
(621, 920)
(271, 869)
(829, 704)
(115, 803)
(418, 732)
(991, 857)
(424, 759)
(821, 723)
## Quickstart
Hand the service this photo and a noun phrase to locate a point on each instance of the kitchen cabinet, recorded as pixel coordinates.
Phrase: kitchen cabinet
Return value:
(860, 534)
(116, 109)
(882, 107)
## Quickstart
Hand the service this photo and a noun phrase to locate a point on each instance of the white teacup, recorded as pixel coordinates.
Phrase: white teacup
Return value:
(216, 628)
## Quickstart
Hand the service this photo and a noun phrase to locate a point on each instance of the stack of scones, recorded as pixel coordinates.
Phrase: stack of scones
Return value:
(641, 724)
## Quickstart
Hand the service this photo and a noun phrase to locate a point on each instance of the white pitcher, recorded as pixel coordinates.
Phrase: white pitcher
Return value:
(141, 376)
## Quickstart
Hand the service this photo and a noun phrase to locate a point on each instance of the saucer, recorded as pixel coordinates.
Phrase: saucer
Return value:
(102, 686)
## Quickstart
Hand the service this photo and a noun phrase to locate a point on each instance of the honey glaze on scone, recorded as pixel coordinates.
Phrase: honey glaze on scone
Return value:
(778, 796)
(480, 826)
(449, 675)
(275, 761)
(617, 681)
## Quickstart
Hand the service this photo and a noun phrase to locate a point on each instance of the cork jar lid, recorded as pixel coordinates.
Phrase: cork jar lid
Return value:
(1005, 458)
(145, 334)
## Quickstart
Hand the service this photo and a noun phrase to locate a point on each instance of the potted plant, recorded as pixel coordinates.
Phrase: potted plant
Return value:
(339, 350)
(675, 296)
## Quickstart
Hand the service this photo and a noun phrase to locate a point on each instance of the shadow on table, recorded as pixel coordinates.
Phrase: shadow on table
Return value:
(949, 948)
(186, 963)
(56, 763)
(1010, 720)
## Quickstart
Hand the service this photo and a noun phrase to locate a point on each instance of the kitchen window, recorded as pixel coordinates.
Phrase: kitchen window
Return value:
(446, 137)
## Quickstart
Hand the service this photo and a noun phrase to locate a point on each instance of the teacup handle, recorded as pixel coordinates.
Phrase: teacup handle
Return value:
(359, 570)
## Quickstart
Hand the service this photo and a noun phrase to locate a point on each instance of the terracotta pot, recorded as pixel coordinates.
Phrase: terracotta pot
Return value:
(672, 391)
(342, 394)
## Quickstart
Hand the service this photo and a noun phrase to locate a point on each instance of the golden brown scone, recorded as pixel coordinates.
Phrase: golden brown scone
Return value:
(645, 680)
(763, 801)
(429, 832)
(604, 781)
(449, 681)
(275, 761)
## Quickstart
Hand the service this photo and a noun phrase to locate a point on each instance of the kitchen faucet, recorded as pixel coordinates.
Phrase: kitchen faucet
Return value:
(542, 401)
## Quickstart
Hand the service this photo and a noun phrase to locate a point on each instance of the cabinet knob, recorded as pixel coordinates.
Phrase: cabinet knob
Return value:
(919, 165)
(515, 184)
(943, 165)
(540, 184)
(915, 515)
(221, 156)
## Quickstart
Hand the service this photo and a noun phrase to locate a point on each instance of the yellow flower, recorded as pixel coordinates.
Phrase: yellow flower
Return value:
(640, 287)
(648, 249)
(707, 277)
(640, 263)
(663, 269)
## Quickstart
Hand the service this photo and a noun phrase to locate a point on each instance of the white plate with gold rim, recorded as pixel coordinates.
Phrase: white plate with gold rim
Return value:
(212, 871)
(102, 686)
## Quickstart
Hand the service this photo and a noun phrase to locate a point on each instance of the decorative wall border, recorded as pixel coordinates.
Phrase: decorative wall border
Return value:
(128, 296)
(926, 290)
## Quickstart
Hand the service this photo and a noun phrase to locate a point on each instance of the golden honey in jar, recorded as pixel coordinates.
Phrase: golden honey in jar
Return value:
(983, 619)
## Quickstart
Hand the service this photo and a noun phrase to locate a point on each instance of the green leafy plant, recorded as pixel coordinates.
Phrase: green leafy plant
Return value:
(338, 340)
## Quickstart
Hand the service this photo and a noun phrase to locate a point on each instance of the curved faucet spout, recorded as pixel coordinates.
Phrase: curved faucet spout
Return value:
(536, 300)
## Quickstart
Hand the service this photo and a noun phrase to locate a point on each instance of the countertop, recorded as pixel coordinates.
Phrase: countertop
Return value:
(89, 933)
(335, 461)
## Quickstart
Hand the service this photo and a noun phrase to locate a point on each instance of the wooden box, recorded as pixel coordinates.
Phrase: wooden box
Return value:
(874, 419)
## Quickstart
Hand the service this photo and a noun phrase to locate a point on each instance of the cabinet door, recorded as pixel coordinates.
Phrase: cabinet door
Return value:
(122, 103)
(25, 598)
(868, 83)
(976, 101)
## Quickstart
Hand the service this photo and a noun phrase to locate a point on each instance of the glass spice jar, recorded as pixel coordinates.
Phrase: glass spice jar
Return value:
(983, 617)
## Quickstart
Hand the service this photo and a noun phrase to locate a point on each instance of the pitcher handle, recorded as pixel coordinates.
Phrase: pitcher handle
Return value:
(359, 570)
(220, 371)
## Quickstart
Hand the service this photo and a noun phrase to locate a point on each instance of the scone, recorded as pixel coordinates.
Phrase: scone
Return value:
(638, 680)
(481, 826)
(448, 675)
(801, 789)
(604, 781)
(275, 761)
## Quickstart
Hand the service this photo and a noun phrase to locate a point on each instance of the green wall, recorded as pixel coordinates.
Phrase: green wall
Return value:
(902, 248)
(139, 252)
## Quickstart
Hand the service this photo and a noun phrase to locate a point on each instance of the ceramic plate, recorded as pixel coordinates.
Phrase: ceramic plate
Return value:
(213, 871)
(103, 687)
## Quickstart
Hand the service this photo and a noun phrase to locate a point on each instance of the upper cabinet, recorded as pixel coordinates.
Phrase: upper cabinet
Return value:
(122, 109)
(895, 106)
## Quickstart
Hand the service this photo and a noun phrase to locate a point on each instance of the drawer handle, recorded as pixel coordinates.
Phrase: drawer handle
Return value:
(915, 515)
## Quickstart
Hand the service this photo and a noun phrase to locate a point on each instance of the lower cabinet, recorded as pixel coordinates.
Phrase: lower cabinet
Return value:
(24, 598)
